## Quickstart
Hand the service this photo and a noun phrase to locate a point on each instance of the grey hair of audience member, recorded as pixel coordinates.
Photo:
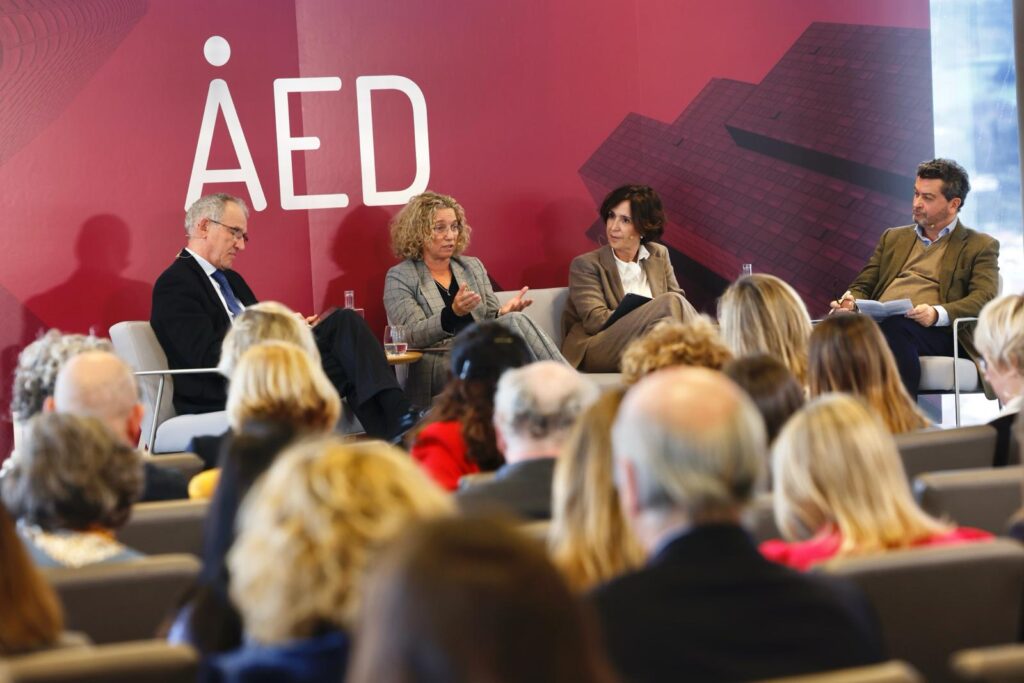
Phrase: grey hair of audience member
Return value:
(97, 384)
(541, 401)
(72, 473)
(39, 363)
(211, 206)
(695, 440)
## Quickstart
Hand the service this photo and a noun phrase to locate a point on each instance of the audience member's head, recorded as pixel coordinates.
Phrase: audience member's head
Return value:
(694, 343)
(38, 365)
(73, 474)
(535, 407)
(473, 600)
(101, 385)
(590, 540)
(311, 525)
(480, 354)
(999, 337)
(762, 314)
(30, 615)
(837, 469)
(413, 226)
(280, 382)
(775, 391)
(848, 354)
(262, 322)
(689, 448)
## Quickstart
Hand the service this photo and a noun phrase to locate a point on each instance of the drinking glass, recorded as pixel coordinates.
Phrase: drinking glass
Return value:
(395, 343)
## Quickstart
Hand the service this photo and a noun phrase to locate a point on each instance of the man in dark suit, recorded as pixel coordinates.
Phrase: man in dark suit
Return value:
(535, 407)
(196, 298)
(947, 270)
(688, 447)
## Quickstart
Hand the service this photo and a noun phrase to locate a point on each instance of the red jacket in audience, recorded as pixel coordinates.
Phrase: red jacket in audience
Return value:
(441, 451)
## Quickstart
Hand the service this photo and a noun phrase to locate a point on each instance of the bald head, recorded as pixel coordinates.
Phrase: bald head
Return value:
(694, 440)
(99, 384)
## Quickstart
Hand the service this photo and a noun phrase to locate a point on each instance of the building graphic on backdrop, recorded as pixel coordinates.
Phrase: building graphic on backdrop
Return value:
(798, 174)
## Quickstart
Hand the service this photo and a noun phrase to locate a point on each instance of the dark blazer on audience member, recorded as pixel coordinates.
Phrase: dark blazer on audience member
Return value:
(1006, 444)
(709, 607)
(522, 489)
(190, 322)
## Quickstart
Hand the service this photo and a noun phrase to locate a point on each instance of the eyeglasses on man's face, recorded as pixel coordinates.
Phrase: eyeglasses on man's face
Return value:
(236, 232)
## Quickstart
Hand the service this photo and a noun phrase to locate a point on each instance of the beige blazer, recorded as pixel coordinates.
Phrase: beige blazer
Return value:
(595, 290)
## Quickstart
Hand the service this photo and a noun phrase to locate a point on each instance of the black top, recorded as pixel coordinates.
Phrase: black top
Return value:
(451, 323)
(710, 607)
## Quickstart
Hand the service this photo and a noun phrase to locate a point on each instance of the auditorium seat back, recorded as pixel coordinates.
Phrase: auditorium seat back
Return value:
(149, 662)
(932, 602)
(984, 498)
(935, 450)
(122, 601)
(174, 526)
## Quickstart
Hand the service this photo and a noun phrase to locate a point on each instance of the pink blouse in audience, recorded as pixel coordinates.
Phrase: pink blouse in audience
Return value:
(804, 554)
(441, 451)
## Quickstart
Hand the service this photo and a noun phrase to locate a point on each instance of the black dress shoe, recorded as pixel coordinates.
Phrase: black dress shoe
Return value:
(409, 420)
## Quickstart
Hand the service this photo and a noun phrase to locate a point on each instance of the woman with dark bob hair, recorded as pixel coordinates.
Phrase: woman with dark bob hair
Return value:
(458, 438)
(472, 600)
(71, 486)
(630, 263)
(436, 291)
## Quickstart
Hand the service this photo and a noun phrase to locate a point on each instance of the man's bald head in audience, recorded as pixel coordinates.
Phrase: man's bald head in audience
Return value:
(99, 384)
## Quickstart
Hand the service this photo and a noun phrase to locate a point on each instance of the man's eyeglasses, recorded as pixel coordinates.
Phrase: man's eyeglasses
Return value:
(442, 229)
(237, 233)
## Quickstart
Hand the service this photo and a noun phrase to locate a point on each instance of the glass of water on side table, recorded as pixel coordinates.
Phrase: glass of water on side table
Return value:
(395, 343)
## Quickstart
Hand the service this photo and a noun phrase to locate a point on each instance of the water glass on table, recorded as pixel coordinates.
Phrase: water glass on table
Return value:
(395, 343)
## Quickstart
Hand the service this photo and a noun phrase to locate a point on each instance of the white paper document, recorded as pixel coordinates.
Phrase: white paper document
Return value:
(881, 311)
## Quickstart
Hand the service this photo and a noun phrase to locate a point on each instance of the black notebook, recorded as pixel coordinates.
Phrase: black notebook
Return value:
(629, 303)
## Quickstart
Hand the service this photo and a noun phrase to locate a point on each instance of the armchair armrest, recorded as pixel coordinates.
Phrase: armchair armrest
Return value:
(956, 361)
(164, 374)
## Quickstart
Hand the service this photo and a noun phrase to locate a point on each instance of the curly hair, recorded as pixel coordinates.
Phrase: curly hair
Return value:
(414, 225)
(309, 529)
(72, 473)
(39, 363)
(670, 343)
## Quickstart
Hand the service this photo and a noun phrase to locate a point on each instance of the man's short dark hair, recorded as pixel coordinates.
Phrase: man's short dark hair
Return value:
(953, 177)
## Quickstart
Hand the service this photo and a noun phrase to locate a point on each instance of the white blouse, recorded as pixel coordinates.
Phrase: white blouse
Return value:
(633, 277)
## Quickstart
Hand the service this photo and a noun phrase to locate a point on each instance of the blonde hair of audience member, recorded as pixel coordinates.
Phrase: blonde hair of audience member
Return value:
(695, 343)
(413, 226)
(265, 321)
(72, 473)
(763, 314)
(30, 614)
(279, 381)
(848, 354)
(689, 448)
(589, 539)
(310, 527)
(835, 466)
(473, 600)
(999, 337)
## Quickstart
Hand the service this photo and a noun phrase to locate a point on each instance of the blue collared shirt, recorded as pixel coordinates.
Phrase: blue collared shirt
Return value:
(943, 320)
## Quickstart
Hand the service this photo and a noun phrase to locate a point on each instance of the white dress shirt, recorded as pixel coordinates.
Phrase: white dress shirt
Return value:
(632, 276)
(210, 269)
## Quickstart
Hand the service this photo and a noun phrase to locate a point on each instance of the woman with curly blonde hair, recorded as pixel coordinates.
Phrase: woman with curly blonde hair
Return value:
(670, 343)
(307, 534)
(839, 481)
(762, 314)
(847, 353)
(437, 291)
(589, 539)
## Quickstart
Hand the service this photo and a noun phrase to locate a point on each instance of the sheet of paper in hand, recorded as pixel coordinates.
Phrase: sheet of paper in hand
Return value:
(881, 311)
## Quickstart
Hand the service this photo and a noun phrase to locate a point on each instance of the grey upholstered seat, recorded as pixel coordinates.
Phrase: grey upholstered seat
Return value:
(122, 601)
(174, 526)
(984, 498)
(932, 602)
(936, 450)
(147, 661)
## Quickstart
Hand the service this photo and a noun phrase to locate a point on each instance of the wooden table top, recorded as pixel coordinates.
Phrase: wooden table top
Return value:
(404, 358)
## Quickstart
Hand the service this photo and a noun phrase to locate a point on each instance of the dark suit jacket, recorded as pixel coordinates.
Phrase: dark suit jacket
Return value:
(190, 322)
(522, 489)
(709, 607)
(595, 290)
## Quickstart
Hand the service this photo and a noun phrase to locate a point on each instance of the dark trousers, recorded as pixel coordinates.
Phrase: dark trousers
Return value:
(355, 363)
(909, 341)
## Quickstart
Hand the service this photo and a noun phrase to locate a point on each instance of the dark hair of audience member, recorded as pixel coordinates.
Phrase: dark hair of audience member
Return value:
(472, 600)
(480, 354)
(771, 385)
(848, 354)
(30, 615)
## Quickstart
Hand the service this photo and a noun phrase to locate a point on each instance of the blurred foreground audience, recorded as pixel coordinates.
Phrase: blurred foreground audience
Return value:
(839, 479)
(693, 343)
(473, 600)
(30, 614)
(773, 388)
(688, 447)
(999, 338)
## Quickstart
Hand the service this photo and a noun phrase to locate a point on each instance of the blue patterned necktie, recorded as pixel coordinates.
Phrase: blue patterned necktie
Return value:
(234, 305)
